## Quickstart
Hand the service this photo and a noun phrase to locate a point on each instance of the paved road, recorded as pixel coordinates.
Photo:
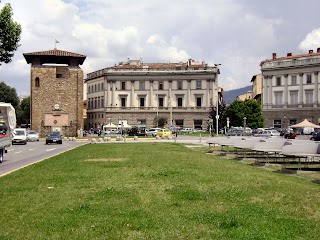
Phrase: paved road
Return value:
(19, 156)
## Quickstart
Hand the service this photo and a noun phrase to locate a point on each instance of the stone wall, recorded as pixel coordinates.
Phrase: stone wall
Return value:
(61, 87)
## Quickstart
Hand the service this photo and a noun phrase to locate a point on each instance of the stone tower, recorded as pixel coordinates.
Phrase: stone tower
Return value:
(56, 84)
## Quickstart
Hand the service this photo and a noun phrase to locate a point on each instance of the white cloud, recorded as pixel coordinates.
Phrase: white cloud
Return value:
(237, 34)
(311, 41)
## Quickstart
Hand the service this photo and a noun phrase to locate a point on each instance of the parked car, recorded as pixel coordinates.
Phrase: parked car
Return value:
(269, 133)
(137, 131)
(315, 136)
(32, 136)
(186, 130)
(152, 131)
(164, 133)
(19, 136)
(54, 137)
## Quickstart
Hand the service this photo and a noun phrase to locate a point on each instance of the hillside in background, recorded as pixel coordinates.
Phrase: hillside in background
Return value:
(230, 96)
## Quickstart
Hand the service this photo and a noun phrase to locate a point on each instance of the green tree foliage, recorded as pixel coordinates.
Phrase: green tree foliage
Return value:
(237, 110)
(10, 32)
(161, 121)
(9, 95)
(24, 111)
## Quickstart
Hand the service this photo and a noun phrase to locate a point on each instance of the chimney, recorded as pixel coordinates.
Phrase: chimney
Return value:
(318, 50)
(310, 51)
(274, 56)
(289, 54)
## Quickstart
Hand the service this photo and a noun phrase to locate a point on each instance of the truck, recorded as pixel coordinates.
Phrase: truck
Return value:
(7, 125)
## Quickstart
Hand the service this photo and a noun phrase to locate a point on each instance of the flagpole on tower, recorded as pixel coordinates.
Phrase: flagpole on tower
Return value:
(55, 43)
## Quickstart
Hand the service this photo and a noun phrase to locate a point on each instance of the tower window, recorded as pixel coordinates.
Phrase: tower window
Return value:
(37, 82)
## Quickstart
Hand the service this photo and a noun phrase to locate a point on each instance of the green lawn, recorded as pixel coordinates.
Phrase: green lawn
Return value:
(154, 191)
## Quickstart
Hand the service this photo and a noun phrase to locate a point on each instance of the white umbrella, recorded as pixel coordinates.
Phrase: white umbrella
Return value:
(305, 123)
(110, 125)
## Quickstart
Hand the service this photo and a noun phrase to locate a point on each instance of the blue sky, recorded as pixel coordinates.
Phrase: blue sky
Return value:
(238, 34)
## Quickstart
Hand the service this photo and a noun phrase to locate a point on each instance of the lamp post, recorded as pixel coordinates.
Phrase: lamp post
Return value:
(170, 123)
(244, 125)
(217, 103)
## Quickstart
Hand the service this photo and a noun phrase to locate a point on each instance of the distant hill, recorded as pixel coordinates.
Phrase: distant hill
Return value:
(230, 96)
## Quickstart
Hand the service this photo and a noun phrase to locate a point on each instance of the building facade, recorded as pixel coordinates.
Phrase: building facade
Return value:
(56, 99)
(139, 93)
(290, 89)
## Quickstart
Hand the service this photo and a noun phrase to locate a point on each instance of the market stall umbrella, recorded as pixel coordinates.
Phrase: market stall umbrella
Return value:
(305, 123)
(110, 125)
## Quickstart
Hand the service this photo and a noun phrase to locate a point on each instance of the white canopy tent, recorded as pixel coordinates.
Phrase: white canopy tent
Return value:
(110, 126)
(305, 123)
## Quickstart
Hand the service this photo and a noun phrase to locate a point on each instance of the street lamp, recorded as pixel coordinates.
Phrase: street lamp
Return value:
(217, 103)
(170, 123)
(244, 125)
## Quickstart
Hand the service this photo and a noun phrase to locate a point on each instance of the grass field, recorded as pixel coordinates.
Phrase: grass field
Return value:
(154, 191)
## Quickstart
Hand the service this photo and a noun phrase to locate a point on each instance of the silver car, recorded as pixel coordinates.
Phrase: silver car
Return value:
(32, 136)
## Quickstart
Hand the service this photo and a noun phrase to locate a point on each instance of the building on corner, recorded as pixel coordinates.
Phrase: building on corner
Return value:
(138, 93)
(290, 89)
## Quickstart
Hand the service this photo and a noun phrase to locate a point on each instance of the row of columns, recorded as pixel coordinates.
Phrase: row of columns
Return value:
(268, 88)
(211, 91)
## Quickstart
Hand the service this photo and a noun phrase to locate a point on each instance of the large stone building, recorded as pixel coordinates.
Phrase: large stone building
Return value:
(290, 89)
(56, 84)
(138, 93)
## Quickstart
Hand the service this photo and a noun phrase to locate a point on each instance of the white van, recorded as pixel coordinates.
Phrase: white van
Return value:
(20, 136)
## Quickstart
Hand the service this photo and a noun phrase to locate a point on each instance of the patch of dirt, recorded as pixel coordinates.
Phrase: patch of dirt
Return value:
(105, 160)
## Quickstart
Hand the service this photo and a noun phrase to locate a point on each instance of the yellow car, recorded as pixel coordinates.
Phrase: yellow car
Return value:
(164, 133)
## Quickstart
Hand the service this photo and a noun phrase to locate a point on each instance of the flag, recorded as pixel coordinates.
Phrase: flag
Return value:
(57, 41)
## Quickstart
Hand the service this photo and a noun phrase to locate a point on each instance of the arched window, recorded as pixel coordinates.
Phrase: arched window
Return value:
(37, 82)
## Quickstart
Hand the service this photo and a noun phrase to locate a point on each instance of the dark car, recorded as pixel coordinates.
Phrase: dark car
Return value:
(315, 136)
(54, 137)
(136, 131)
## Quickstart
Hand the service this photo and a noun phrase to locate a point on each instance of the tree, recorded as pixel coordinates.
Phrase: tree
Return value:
(10, 32)
(9, 95)
(161, 121)
(24, 112)
(237, 110)
(213, 113)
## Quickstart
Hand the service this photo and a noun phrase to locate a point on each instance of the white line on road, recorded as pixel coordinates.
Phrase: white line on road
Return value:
(31, 149)
(9, 150)
(18, 152)
(51, 149)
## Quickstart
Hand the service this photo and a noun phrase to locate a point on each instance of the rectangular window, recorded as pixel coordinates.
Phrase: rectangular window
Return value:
(308, 78)
(278, 81)
(123, 102)
(102, 102)
(198, 101)
(141, 85)
(293, 97)
(277, 123)
(160, 85)
(160, 102)
(309, 96)
(123, 85)
(179, 122)
(293, 80)
(198, 84)
(179, 102)
(278, 98)
(180, 85)
(141, 102)
(98, 105)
